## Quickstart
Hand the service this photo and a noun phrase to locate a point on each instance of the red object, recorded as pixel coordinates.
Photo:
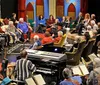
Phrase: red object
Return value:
(60, 2)
(39, 34)
(25, 36)
(47, 40)
(39, 2)
(71, 8)
(21, 9)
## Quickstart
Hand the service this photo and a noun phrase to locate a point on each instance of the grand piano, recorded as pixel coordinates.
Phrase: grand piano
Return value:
(48, 64)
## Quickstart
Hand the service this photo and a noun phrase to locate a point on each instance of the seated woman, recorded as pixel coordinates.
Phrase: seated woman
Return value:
(50, 21)
(37, 43)
(57, 39)
(41, 24)
(47, 39)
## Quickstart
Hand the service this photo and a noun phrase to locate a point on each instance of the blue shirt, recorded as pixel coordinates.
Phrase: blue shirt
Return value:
(23, 26)
(36, 44)
(78, 78)
(65, 82)
(42, 21)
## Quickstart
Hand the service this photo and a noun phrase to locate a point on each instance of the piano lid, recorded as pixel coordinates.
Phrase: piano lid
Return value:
(45, 55)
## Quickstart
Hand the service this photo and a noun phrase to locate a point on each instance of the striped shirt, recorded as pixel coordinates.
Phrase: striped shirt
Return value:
(24, 69)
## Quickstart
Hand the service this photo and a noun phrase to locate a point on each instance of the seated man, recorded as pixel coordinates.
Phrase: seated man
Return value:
(37, 43)
(47, 39)
(11, 30)
(23, 28)
(68, 79)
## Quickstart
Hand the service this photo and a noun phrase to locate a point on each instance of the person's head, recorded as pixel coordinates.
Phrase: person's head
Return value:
(88, 28)
(99, 25)
(11, 23)
(14, 15)
(56, 20)
(92, 16)
(67, 73)
(21, 20)
(51, 17)
(87, 16)
(80, 14)
(23, 54)
(40, 17)
(87, 36)
(60, 33)
(96, 62)
(36, 38)
(47, 34)
(63, 18)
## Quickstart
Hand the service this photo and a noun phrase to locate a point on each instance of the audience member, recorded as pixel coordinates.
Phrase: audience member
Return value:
(86, 19)
(94, 25)
(50, 21)
(57, 39)
(37, 43)
(47, 39)
(87, 36)
(95, 73)
(41, 24)
(68, 80)
(23, 27)
(12, 31)
(13, 18)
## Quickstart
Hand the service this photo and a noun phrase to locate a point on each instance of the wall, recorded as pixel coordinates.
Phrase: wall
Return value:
(8, 7)
(68, 2)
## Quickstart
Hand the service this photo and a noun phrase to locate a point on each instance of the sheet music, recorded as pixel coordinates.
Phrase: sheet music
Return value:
(84, 69)
(30, 81)
(39, 79)
(76, 70)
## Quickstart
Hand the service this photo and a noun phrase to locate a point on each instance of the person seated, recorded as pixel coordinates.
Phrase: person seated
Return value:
(47, 39)
(41, 24)
(11, 30)
(23, 28)
(37, 43)
(95, 73)
(50, 21)
(13, 18)
(68, 79)
(93, 25)
(87, 36)
(57, 39)
(6, 21)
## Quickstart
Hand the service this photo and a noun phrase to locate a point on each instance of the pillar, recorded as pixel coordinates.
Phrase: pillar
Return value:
(21, 8)
(52, 7)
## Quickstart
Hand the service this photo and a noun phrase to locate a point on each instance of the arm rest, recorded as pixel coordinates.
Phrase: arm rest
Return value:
(72, 53)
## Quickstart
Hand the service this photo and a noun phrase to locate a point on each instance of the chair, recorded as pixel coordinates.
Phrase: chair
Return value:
(95, 47)
(61, 42)
(73, 58)
(87, 50)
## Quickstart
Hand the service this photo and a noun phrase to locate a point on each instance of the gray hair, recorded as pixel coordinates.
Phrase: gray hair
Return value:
(10, 22)
(21, 19)
(60, 33)
(36, 37)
